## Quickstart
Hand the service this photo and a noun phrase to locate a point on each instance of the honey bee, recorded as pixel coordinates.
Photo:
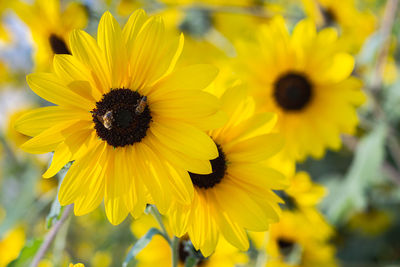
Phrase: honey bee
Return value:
(107, 120)
(141, 106)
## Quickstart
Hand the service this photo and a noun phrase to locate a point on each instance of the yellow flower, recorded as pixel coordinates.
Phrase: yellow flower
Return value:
(293, 243)
(371, 222)
(237, 195)
(303, 195)
(127, 119)
(10, 245)
(51, 26)
(356, 26)
(76, 265)
(158, 251)
(306, 80)
(304, 192)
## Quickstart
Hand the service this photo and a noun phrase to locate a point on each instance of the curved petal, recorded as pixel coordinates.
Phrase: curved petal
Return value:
(115, 189)
(71, 70)
(109, 38)
(255, 149)
(36, 121)
(86, 50)
(185, 138)
(52, 88)
(184, 161)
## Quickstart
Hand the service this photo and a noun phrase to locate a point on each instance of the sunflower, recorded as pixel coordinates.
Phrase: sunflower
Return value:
(306, 81)
(371, 222)
(303, 196)
(237, 195)
(355, 25)
(127, 119)
(292, 242)
(225, 255)
(50, 24)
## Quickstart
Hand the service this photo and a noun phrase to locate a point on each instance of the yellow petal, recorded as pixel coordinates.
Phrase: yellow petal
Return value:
(109, 38)
(194, 77)
(232, 232)
(36, 121)
(184, 161)
(52, 88)
(339, 69)
(93, 195)
(147, 52)
(186, 105)
(70, 69)
(258, 175)
(78, 175)
(185, 138)
(136, 198)
(86, 50)
(114, 202)
(48, 140)
(68, 150)
(131, 29)
(241, 208)
(152, 174)
(255, 149)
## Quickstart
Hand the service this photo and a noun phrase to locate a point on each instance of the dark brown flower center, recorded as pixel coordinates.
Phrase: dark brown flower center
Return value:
(329, 16)
(292, 92)
(122, 117)
(58, 45)
(285, 246)
(218, 166)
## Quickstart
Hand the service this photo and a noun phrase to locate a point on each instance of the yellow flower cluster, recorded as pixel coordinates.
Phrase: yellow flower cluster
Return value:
(209, 147)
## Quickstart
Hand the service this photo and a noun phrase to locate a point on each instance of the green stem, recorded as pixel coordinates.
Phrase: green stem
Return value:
(156, 214)
(175, 252)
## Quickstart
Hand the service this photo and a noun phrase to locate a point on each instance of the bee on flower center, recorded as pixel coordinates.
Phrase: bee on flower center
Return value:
(141, 106)
(107, 119)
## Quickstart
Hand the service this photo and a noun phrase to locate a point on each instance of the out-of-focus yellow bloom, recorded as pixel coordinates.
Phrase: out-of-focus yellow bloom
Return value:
(5, 75)
(304, 191)
(101, 259)
(126, 7)
(371, 222)
(307, 81)
(304, 195)
(10, 245)
(45, 263)
(355, 25)
(4, 33)
(293, 243)
(76, 265)
(51, 24)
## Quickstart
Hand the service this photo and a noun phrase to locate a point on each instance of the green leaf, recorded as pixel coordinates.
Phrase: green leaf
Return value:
(350, 195)
(27, 253)
(141, 244)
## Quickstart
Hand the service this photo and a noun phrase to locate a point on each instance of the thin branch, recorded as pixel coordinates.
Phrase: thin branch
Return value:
(175, 251)
(50, 236)
(156, 214)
